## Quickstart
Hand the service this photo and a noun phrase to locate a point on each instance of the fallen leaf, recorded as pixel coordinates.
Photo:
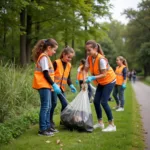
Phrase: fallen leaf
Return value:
(48, 141)
(79, 141)
(61, 145)
(61, 148)
(58, 141)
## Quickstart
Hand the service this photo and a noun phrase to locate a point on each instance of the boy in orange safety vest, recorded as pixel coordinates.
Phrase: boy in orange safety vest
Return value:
(121, 79)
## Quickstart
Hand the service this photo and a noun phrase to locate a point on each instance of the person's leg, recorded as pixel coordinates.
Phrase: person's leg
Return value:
(97, 100)
(44, 121)
(80, 83)
(54, 103)
(121, 96)
(106, 91)
(63, 101)
(115, 95)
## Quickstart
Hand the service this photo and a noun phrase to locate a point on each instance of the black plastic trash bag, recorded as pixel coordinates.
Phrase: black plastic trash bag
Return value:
(78, 114)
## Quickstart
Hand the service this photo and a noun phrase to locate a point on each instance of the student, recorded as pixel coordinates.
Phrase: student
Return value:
(62, 68)
(104, 77)
(121, 78)
(134, 75)
(80, 77)
(43, 81)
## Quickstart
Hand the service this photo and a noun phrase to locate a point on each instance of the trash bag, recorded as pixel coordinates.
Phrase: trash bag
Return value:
(78, 114)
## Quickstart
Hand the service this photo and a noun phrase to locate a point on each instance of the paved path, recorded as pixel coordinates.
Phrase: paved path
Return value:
(143, 96)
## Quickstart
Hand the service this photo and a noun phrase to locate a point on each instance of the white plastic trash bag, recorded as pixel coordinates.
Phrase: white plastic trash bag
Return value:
(78, 114)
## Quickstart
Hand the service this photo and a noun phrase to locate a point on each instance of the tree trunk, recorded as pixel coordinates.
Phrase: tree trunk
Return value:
(12, 48)
(28, 39)
(23, 38)
(4, 36)
(37, 30)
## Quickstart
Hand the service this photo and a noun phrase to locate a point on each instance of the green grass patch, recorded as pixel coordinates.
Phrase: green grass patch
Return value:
(129, 135)
(146, 80)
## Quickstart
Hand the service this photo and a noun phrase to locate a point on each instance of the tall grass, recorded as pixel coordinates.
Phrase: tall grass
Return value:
(16, 93)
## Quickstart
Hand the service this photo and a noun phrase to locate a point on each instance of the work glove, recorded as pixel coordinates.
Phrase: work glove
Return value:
(77, 82)
(56, 88)
(90, 78)
(73, 89)
(124, 86)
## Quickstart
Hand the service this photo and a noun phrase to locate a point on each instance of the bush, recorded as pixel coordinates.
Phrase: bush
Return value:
(17, 126)
(147, 79)
(16, 93)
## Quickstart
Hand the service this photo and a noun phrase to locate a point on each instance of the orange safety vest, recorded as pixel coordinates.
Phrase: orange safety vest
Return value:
(119, 75)
(80, 73)
(61, 75)
(39, 80)
(95, 70)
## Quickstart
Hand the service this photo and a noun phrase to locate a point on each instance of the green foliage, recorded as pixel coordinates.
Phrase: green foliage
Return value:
(16, 93)
(15, 127)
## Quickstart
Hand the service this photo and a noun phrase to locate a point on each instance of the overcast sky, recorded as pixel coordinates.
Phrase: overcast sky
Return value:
(120, 5)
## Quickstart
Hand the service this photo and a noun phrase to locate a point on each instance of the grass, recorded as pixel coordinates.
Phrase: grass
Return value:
(129, 135)
(147, 80)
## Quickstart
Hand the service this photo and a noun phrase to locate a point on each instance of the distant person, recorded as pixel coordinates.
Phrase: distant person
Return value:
(133, 76)
(130, 75)
(43, 81)
(81, 76)
(121, 79)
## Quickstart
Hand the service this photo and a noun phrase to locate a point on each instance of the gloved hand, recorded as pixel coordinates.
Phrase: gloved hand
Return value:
(56, 88)
(124, 86)
(73, 89)
(90, 78)
(77, 82)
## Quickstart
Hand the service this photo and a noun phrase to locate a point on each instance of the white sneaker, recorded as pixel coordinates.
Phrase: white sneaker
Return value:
(110, 128)
(116, 107)
(120, 109)
(98, 125)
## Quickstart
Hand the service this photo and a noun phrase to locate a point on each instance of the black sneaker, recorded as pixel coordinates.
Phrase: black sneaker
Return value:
(45, 133)
(53, 130)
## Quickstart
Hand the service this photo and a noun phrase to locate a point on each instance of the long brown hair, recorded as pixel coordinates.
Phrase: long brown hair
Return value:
(67, 50)
(41, 46)
(95, 45)
(83, 61)
(124, 61)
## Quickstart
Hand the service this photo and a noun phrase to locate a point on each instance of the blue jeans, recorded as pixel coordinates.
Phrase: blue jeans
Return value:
(101, 97)
(118, 94)
(63, 102)
(45, 97)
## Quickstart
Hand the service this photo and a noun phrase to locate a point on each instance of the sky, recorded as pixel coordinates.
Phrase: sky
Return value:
(120, 5)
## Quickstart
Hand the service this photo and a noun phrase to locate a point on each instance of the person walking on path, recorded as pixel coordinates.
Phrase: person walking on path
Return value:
(121, 79)
(105, 78)
(43, 81)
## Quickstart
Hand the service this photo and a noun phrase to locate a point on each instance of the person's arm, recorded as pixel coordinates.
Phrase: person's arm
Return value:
(47, 77)
(55, 65)
(69, 82)
(124, 72)
(86, 69)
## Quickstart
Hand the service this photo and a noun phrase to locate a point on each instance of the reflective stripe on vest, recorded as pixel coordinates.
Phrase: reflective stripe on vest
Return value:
(95, 70)
(61, 75)
(119, 75)
(39, 80)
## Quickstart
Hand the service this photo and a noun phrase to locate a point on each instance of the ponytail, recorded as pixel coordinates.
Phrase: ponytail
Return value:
(99, 49)
(41, 46)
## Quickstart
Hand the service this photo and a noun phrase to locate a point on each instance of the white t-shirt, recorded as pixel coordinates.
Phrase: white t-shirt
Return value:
(44, 63)
(103, 63)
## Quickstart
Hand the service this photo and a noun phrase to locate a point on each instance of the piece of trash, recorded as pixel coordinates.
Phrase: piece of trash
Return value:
(146, 133)
(79, 141)
(58, 141)
(61, 148)
(61, 145)
(48, 141)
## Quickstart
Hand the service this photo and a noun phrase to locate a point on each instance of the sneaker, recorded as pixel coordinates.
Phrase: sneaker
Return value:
(120, 109)
(52, 124)
(45, 133)
(110, 128)
(53, 130)
(98, 125)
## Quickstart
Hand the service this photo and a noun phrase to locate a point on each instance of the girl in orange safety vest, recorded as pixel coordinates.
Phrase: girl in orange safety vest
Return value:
(43, 81)
(105, 78)
(62, 68)
(121, 78)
